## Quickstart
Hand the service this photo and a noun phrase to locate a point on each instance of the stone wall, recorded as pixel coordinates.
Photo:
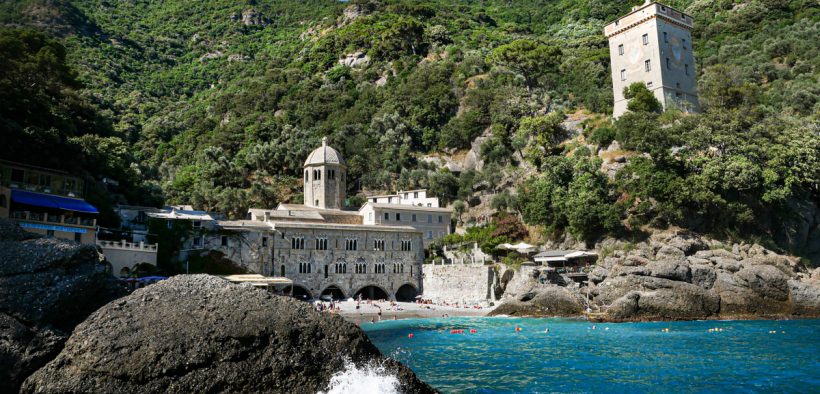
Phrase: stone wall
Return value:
(456, 282)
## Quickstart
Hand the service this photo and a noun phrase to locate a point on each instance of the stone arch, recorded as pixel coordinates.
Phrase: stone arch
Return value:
(335, 291)
(407, 293)
(299, 292)
(372, 292)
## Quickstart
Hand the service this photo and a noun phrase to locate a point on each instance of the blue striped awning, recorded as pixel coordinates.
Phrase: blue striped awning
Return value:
(51, 201)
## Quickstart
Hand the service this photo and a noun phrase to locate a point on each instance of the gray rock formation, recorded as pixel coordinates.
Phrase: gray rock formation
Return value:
(542, 301)
(684, 279)
(199, 333)
(679, 275)
(47, 287)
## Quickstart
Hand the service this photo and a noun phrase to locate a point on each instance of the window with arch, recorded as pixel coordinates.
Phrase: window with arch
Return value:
(282, 270)
(361, 267)
(406, 245)
(321, 243)
(378, 244)
(378, 268)
(304, 268)
(297, 243)
(340, 268)
(351, 244)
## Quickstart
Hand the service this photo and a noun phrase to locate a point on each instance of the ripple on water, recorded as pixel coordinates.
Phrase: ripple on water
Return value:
(627, 357)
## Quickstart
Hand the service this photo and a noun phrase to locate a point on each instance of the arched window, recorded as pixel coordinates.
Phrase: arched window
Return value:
(282, 270)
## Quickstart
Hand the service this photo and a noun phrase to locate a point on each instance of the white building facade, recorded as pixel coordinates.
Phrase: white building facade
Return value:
(653, 45)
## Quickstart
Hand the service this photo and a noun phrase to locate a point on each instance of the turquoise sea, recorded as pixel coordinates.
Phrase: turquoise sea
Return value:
(613, 358)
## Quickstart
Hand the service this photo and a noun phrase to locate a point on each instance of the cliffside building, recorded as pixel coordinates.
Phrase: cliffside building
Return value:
(653, 45)
(46, 201)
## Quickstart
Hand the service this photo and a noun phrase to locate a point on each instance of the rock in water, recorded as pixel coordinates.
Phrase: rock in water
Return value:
(47, 287)
(542, 301)
(199, 333)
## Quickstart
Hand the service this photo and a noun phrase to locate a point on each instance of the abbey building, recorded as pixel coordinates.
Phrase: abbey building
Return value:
(376, 251)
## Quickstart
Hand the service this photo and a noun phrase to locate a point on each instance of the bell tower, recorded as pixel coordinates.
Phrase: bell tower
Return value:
(324, 177)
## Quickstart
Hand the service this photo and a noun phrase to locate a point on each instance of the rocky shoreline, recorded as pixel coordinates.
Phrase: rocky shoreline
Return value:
(679, 276)
(66, 326)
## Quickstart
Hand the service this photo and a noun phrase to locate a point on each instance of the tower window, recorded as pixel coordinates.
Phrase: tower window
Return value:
(621, 49)
(414, 217)
(646, 39)
(686, 69)
(623, 75)
(398, 216)
(667, 64)
(224, 240)
(647, 65)
(665, 40)
(683, 42)
(386, 216)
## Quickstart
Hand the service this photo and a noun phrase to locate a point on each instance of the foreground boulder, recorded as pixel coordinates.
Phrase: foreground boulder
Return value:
(199, 333)
(47, 287)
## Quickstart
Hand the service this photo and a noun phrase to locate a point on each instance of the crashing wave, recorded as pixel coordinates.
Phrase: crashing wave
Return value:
(370, 378)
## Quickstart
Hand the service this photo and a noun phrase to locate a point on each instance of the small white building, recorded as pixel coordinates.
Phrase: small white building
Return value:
(406, 197)
(125, 256)
(432, 222)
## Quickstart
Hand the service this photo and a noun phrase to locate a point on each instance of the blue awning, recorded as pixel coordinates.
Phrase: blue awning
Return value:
(51, 201)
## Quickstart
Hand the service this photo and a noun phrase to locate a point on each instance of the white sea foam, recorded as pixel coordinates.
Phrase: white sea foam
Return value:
(370, 378)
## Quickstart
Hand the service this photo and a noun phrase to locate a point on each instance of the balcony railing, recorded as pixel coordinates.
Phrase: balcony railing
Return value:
(52, 218)
(123, 245)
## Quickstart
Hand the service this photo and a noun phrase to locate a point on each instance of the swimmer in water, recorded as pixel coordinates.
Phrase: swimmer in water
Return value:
(547, 330)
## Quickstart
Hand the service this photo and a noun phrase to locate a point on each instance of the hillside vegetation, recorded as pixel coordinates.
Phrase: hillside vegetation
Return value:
(216, 103)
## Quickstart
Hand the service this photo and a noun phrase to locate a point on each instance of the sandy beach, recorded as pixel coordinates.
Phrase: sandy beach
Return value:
(368, 312)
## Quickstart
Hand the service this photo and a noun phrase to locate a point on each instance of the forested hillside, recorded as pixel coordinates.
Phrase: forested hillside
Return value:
(217, 102)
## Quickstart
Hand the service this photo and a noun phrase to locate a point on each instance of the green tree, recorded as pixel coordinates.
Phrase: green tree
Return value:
(641, 99)
(528, 58)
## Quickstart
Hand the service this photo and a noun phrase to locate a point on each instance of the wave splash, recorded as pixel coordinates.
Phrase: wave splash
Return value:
(370, 378)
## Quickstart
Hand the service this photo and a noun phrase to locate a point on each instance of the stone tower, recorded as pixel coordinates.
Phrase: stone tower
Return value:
(324, 178)
(653, 44)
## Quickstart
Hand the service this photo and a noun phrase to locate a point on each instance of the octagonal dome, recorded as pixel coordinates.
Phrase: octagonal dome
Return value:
(324, 155)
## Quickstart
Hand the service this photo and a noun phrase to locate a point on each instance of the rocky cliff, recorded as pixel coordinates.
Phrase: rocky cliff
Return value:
(199, 333)
(678, 275)
(47, 286)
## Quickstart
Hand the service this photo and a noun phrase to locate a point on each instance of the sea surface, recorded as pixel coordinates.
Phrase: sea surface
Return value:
(736, 356)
